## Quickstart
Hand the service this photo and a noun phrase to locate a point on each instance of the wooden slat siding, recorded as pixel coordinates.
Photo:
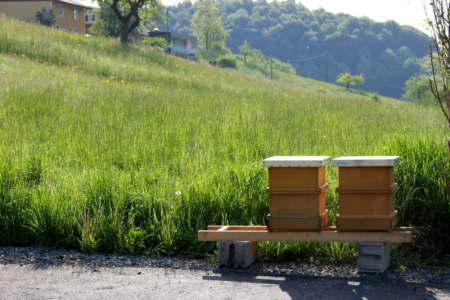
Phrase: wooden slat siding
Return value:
(321, 176)
(298, 222)
(387, 217)
(367, 189)
(270, 216)
(366, 223)
(366, 204)
(296, 177)
(295, 223)
(366, 177)
(400, 236)
(298, 190)
(297, 204)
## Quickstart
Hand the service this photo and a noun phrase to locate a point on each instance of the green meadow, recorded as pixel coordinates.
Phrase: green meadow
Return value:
(122, 149)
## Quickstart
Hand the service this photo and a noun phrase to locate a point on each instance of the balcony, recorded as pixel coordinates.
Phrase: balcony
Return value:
(183, 50)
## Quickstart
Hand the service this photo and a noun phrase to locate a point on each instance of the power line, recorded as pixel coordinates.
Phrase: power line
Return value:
(308, 59)
(302, 60)
(326, 67)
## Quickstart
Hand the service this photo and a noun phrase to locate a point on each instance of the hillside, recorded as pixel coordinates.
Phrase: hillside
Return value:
(291, 32)
(124, 150)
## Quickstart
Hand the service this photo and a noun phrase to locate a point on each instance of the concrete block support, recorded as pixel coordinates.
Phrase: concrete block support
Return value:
(237, 254)
(373, 257)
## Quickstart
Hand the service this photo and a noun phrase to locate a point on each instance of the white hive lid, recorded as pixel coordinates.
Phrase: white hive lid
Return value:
(366, 161)
(296, 161)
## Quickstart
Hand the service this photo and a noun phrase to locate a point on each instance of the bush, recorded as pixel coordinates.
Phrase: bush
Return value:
(227, 62)
(156, 42)
(45, 17)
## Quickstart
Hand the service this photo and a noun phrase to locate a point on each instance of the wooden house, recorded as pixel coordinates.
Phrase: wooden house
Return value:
(182, 44)
(89, 18)
(69, 14)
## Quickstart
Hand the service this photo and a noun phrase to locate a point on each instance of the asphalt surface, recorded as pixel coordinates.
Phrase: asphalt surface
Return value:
(65, 282)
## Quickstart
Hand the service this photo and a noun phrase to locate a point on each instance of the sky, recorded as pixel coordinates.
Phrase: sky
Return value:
(404, 12)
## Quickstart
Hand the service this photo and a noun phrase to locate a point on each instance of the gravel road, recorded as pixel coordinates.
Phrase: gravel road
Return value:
(40, 273)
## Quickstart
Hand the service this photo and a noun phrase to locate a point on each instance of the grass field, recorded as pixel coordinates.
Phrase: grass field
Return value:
(125, 150)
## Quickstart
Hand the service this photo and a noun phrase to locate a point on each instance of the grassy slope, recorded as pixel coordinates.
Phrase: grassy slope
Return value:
(123, 129)
(305, 84)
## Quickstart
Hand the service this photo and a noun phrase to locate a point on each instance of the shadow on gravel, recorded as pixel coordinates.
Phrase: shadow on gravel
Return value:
(48, 267)
(305, 287)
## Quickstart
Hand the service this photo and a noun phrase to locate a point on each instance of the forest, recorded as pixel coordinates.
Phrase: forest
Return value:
(319, 44)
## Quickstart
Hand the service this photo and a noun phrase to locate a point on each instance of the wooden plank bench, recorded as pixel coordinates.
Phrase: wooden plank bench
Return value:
(238, 244)
(329, 234)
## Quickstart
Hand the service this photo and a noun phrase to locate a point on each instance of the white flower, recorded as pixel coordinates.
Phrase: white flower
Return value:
(178, 193)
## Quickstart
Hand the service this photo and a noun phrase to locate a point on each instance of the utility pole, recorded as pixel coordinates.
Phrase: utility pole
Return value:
(377, 84)
(271, 77)
(326, 67)
(168, 38)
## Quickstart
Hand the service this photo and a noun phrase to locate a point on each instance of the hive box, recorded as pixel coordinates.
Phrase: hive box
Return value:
(297, 192)
(366, 193)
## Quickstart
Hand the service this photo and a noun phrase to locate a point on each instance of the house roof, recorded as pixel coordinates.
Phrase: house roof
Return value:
(144, 30)
(75, 3)
(172, 34)
(183, 36)
(63, 1)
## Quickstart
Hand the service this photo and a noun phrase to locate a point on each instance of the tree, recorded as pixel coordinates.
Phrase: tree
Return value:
(297, 33)
(45, 17)
(256, 54)
(131, 12)
(207, 25)
(245, 50)
(226, 62)
(418, 90)
(439, 25)
(219, 48)
(156, 42)
(418, 87)
(265, 61)
(349, 80)
(106, 22)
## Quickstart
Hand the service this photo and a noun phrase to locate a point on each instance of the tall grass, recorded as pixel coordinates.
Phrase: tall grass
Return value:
(120, 149)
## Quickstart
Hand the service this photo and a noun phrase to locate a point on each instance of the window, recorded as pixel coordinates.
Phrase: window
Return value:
(76, 30)
(58, 26)
(61, 11)
(70, 29)
(90, 18)
(75, 14)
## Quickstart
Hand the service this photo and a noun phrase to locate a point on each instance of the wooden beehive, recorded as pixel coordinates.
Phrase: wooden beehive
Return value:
(366, 193)
(297, 192)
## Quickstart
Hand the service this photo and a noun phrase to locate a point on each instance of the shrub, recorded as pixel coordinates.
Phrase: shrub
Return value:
(45, 17)
(156, 42)
(227, 62)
